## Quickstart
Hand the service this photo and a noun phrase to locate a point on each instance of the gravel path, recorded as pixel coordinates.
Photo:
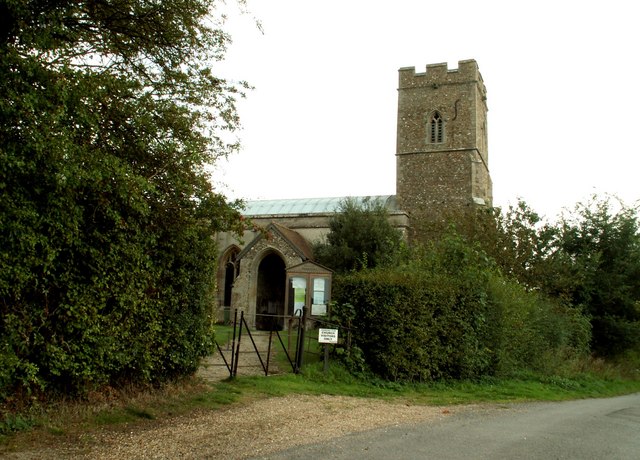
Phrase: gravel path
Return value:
(249, 431)
(244, 431)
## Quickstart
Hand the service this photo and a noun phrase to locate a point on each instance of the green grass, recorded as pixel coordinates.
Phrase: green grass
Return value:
(70, 421)
(223, 333)
(338, 382)
(15, 422)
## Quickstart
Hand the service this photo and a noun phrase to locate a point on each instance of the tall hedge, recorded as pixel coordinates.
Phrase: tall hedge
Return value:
(449, 313)
(424, 321)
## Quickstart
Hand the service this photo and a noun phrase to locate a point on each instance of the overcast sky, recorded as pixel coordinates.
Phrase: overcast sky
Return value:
(563, 91)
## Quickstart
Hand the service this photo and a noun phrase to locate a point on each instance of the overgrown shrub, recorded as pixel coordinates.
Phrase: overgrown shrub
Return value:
(110, 314)
(600, 243)
(536, 333)
(420, 322)
(449, 313)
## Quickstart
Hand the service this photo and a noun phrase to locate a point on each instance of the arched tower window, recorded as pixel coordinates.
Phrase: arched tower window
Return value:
(435, 129)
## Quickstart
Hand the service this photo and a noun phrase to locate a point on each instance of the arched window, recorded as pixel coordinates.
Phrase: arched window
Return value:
(231, 269)
(435, 129)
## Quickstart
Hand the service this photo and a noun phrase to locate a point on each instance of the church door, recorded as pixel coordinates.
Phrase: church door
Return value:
(270, 293)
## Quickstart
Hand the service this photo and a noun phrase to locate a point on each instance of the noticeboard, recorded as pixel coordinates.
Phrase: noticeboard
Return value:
(308, 285)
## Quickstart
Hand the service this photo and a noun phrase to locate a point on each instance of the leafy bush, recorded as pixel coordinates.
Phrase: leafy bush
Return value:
(589, 258)
(420, 322)
(536, 333)
(449, 313)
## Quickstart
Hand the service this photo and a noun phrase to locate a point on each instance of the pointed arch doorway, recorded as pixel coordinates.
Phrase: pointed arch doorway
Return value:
(270, 293)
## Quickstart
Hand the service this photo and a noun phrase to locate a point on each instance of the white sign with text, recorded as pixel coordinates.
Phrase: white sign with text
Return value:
(327, 335)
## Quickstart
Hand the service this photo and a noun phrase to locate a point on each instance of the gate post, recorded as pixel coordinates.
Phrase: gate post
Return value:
(300, 344)
(233, 342)
(235, 368)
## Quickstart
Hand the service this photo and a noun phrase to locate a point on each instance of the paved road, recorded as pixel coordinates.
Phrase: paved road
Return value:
(585, 429)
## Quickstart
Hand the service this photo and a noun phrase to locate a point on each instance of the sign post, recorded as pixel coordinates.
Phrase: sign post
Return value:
(327, 336)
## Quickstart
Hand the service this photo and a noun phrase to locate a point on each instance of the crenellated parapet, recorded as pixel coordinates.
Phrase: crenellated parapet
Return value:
(439, 74)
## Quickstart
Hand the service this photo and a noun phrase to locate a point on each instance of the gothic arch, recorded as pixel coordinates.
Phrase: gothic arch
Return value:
(228, 269)
(435, 128)
(270, 284)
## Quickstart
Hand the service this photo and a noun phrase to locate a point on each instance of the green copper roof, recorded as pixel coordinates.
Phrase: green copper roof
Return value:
(309, 205)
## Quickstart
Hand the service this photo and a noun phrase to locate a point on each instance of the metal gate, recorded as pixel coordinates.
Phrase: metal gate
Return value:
(233, 356)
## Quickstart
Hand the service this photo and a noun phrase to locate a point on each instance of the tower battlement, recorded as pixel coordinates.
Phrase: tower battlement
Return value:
(440, 74)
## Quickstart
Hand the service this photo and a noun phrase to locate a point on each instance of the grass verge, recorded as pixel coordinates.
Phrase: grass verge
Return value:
(73, 421)
(522, 389)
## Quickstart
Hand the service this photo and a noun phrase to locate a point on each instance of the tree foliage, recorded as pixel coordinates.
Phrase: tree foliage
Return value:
(109, 113)
(360, 236)
(517, 239)
(600, 248)
(419, 322)
(589, 259)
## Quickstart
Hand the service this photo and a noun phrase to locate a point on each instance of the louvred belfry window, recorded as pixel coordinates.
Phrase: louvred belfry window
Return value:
(436, 129)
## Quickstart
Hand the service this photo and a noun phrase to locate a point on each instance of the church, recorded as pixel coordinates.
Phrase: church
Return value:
(441, 166)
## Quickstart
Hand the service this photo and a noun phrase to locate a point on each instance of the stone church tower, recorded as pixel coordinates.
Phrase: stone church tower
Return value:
(441, 155)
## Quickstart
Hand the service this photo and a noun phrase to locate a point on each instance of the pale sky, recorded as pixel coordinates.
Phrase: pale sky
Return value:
(563, 91)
